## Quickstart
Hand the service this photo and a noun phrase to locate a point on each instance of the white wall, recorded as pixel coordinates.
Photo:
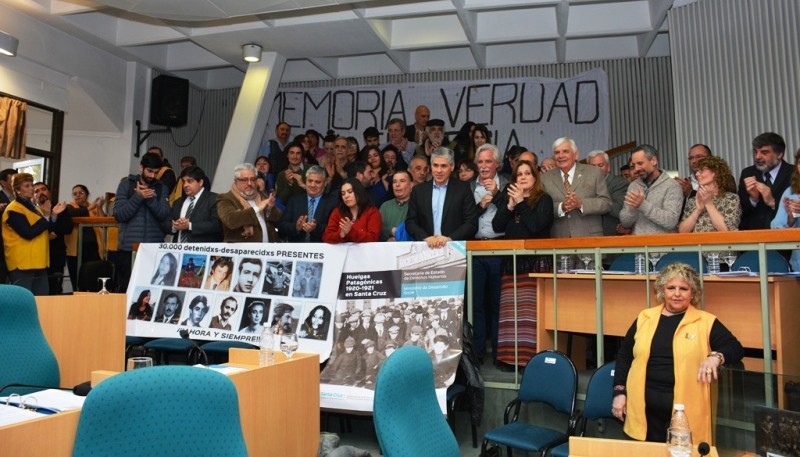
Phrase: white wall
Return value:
(101, 95)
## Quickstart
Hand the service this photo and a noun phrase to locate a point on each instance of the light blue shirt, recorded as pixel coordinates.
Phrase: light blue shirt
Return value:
(437, 205)
(781, 220)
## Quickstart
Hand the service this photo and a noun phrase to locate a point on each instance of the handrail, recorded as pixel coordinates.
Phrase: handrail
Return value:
(665, 239)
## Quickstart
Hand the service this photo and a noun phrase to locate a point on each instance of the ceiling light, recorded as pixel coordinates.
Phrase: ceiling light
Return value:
(251, 52)
(8, 44)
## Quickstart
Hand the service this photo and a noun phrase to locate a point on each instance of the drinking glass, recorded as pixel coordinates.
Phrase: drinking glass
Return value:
(712, 259)
(563, 264)
(586, 259)
(289, 344)
(103, 290)
(139, 362)
(654, 258)
(679, 442)
(729, 257)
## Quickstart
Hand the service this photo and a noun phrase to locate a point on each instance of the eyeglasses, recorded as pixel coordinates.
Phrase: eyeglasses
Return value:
(246, 179)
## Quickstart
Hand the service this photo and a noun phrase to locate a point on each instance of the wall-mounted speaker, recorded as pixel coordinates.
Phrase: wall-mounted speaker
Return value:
(169, 101)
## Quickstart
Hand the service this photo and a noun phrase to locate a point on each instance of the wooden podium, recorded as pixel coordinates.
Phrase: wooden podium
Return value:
(598, 447)
(278, 406)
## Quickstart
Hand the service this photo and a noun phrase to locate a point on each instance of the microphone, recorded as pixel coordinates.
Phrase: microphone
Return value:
(703, 448)
(195, 347)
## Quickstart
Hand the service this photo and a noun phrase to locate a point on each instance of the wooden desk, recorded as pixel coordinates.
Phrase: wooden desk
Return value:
(278, 405)
(86, 333)
(598, 447)
(735, 301)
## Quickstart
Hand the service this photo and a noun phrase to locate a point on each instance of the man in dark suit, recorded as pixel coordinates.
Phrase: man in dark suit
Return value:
(194, 216)
(762, 184)
(443, 209)
(295, 224)
(416, 131)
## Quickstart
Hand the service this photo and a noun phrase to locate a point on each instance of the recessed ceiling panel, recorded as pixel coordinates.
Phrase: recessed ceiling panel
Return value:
(602, 48)
(409, 9)
(608, 18)
(442, 59)
(523, 24)
(427, 31)
(302, 70)
(502, 55)
(369, 65)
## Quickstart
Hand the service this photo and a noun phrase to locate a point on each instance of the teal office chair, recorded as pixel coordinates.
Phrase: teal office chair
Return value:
(776, 263)
(550, 378)
(407, 416)
(624, 262)
(25, 354)
(689, 258)
(161, 411)
(598, 403)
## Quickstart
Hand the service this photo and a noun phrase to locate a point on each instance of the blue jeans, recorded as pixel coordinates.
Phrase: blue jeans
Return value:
(486, 271)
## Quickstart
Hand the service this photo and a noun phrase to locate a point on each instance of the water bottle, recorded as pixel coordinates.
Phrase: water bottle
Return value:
(563, 264)
(713, 263)
(679, 436)
(639, 264)
(266, 348)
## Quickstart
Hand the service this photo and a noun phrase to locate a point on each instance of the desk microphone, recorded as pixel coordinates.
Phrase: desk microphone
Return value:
(703, 448)
(185, 335)
(81, 389)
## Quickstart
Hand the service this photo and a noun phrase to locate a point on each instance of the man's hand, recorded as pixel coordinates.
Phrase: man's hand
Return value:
(571, 202)
(759, 191)
(634, 198)
(144, 191)
(437, 241)
(686, 186)
(180, 224)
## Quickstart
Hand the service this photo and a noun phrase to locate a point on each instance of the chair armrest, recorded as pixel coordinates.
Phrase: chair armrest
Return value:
(515, 404)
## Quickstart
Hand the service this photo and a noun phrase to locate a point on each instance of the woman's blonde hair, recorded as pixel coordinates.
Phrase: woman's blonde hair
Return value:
(681, 271)
(18, 179)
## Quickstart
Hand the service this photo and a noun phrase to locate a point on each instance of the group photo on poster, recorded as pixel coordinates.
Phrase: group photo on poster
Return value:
(409, 295)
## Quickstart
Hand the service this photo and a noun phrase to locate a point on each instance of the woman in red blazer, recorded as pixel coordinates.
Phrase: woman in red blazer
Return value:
(355, 219)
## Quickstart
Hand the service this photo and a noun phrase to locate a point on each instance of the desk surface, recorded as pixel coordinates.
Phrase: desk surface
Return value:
(598, 447)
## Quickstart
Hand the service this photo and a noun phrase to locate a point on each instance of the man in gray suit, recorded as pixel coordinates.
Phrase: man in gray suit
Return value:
(617, 188)
(579, 193)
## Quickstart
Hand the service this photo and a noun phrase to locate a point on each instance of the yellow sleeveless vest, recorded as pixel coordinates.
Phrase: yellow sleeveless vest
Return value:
(690, 346)
(22, 254)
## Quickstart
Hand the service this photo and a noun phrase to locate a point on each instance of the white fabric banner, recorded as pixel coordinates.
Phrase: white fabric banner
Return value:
(531, 112)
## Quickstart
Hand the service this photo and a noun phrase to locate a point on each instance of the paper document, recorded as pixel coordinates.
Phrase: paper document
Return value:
(51, 399)
(13, 414)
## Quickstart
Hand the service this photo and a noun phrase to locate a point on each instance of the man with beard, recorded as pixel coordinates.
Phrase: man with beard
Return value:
(420, 169)
(654, 201)
(434, 138)
(282, 318)
(762, 184)
(226, 311)
(140, 206)
(247, 215)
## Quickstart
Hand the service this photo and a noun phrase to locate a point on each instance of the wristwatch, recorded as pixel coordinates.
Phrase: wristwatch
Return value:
(717, 355)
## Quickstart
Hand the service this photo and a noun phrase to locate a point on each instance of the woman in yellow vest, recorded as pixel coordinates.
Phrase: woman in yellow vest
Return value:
(671, 354)
(26, 234)
(92, 236)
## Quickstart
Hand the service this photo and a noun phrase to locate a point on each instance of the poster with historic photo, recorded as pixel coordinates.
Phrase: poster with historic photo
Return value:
(405, 295)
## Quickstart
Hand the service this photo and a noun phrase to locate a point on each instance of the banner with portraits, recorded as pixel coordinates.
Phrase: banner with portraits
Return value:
(354, 304)
(221, 291)
(532, 112)
(393, 295)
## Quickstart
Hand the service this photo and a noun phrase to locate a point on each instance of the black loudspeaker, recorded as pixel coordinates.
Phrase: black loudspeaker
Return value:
(169, 101)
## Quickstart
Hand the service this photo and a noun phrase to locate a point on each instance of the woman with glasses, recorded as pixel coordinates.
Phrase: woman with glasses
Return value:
(80, 206)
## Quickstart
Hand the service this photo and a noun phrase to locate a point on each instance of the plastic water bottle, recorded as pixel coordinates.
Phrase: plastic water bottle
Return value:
(563, 264)
(639, 264)
(679, 435)
(266, 350)
(713, 263)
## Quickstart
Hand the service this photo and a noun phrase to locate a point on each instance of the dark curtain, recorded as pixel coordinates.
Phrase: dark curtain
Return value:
(12, 128)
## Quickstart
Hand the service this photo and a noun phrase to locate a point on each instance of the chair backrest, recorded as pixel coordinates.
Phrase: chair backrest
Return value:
(599, 393)
(624, 262)
(689, 258)
(776, 263)
(25, 354)
(550, 377)
(91, 272)
(163, 410)
(408, 419)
